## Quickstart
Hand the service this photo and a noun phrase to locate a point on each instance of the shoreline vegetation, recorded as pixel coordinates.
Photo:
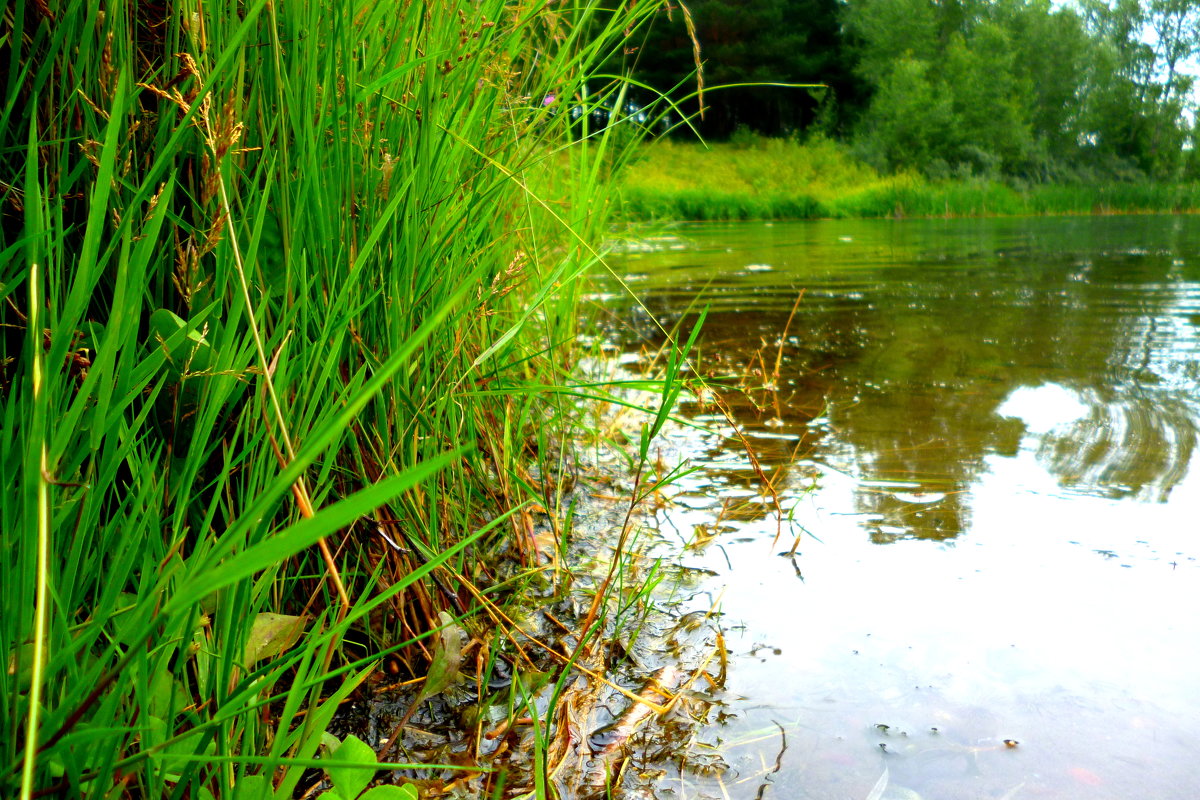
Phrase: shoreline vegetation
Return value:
(753, 177)
(287, 353)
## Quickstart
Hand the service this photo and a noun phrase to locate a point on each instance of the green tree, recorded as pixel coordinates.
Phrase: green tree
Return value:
(889, 31)
(1176, 31)
(911, 123)
(1032, 90)
(990, 100)
(948, 94)
(1050, 54)
(1137, 91)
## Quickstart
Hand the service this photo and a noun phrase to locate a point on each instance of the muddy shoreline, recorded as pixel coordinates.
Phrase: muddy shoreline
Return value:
(613, 717)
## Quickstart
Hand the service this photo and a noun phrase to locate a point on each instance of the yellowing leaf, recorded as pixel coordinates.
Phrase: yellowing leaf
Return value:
(447, 656)
(271, 634)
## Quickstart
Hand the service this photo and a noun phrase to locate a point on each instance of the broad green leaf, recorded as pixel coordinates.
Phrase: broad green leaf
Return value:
(329, 743)
(23, 655)
(186, 347)
(162, 686)
(253, 787)
(319, 721)
(349, 781)
(175, 758)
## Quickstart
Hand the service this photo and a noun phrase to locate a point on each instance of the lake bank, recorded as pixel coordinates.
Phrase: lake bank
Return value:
(782, 179)
(286, 373)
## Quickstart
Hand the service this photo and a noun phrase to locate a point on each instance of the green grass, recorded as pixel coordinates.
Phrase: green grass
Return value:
(283, 330)
(756, 178)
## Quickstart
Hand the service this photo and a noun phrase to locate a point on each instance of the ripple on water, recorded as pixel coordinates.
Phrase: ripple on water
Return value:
(992, 425)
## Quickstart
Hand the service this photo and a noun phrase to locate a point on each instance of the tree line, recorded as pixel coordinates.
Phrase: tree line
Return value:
(1028, 89)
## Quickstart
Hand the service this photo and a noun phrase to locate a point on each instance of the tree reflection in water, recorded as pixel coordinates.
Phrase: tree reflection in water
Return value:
(913, 340)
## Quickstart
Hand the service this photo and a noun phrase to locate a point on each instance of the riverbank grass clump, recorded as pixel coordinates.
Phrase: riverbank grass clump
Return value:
(752, 177)
(284, 365)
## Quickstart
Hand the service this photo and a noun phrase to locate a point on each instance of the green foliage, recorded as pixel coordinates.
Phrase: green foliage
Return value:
(258, 263)
(358, 767)
(1025, 88)
(912, 120)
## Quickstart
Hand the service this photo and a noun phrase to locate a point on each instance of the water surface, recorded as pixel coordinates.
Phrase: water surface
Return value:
(987, 430)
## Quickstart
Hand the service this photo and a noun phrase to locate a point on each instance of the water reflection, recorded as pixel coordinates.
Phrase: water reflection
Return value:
(1011, 407)
(918, 335)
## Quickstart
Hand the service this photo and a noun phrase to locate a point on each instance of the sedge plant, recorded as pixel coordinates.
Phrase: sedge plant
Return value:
(283, 327)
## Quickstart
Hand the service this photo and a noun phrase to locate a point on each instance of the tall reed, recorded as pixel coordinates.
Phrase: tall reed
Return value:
(284, 330)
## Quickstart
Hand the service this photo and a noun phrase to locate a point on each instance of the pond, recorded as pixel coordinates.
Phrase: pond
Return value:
(983, 433)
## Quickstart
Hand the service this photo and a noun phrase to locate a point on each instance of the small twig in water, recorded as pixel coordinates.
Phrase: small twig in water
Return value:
(762, 788)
